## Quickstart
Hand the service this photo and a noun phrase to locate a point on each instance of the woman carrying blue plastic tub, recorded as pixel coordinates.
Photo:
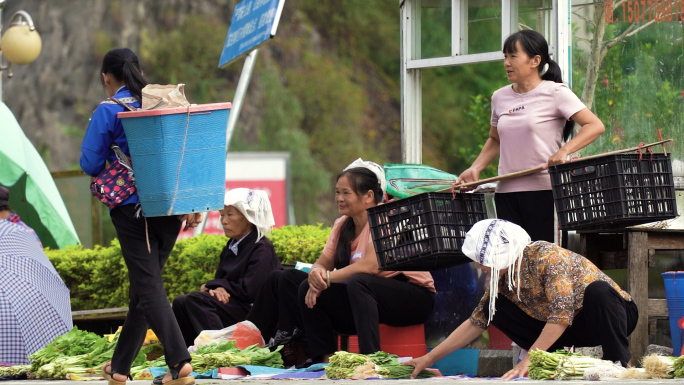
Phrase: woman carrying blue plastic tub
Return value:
(145, 242)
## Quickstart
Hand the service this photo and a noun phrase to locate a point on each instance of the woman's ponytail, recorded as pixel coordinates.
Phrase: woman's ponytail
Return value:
(134, 79)
(123, 64)
(554, 74)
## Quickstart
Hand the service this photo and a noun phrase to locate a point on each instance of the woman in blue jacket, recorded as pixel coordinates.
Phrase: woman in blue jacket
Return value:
(145, 242)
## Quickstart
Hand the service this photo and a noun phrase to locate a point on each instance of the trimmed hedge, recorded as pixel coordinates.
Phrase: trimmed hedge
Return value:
(98, 277)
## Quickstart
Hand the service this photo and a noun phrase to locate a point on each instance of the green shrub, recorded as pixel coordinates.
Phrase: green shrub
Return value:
(299, 243)
(98, 278)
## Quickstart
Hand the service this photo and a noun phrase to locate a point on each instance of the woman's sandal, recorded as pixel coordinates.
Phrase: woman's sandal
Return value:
(108, 376)
(175, 372)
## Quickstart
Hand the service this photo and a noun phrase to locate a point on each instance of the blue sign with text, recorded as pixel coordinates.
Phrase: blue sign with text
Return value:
(254, 22)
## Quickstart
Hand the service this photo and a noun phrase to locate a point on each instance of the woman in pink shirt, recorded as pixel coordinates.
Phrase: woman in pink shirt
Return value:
(532, 120)
(345, 291)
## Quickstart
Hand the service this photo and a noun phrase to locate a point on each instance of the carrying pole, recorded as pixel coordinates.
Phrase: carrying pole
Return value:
(240, 92)
(537, 169)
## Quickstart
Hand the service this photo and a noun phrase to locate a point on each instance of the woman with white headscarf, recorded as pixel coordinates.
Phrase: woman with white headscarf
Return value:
(245, 262)
(344, 292)
(544, 297)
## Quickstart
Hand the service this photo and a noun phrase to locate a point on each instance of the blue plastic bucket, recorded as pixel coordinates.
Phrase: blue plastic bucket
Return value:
(674, 291)
(179, 157)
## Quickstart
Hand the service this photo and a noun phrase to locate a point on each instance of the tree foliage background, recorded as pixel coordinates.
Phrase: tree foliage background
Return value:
(326, 89)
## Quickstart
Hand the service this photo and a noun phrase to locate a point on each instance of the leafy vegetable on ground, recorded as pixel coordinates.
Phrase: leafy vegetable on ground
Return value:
(678, 367)
(78, 354)
(561, 365)
(658, 366)
(13, 370)
(378, 365)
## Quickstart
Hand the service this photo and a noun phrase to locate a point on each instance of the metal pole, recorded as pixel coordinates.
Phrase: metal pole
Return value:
(411, 84)
(240, 92)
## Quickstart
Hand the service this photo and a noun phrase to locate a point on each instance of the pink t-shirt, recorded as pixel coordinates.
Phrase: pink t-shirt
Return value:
(530, 128)
(358, 250)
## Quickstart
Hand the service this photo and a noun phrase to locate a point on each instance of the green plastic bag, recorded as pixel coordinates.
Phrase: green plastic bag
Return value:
(405, 180)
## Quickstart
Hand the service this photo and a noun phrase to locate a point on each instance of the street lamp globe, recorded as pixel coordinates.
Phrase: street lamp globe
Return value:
(21, 43)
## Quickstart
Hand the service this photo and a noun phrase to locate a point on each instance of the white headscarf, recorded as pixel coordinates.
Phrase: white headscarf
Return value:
(375, 168)
(497, 244)
(255, 206)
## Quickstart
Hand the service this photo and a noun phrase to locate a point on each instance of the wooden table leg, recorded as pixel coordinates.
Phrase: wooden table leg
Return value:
(637, 287)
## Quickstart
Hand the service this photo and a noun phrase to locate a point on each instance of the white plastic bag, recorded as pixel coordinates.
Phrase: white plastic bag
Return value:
(243, 333)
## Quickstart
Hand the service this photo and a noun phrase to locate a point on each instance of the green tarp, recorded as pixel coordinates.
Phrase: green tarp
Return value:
(33, 193)
(405, 180)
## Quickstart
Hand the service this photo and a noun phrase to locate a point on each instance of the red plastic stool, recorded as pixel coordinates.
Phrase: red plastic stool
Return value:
(498, 340)
(404, 341)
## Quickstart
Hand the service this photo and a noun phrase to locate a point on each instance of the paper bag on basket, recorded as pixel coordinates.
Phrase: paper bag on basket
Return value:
(163, 96)
(244, 334)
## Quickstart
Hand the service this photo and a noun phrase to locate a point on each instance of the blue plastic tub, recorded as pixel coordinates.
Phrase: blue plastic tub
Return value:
(674, 291)
(179, 157)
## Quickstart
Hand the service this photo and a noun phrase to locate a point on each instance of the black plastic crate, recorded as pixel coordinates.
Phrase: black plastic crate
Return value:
(613, 191)
(424, 232)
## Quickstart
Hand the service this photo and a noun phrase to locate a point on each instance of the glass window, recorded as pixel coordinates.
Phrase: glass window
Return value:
(536, 15)
(435, 28)
(628, 67)
(484, 26)
(456, 124)
(480, 25)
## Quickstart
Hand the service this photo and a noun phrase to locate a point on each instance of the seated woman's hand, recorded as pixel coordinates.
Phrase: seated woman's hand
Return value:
(310, 299)
(419, 364)
(221, 294)
(318, 279)
(203, 288)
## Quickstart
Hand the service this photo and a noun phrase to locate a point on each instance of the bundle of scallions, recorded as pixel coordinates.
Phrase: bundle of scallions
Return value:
(561, 365)
(678, 367)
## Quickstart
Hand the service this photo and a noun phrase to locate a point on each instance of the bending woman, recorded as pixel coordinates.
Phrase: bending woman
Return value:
(345, 291)
(542, 297)
(145, 242)
(530, 120)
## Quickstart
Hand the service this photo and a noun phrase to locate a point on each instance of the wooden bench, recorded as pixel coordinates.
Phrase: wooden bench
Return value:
(114, 313)
(100, 321)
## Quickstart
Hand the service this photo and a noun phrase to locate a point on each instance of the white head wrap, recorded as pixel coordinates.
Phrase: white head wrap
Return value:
(255, 206)
(375, 168)
(497, 244)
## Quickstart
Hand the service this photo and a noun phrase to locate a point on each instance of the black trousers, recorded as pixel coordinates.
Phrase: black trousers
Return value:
(359, 307)
(531, 210)
(198, 310)
(276, 306)
(605, 319)
(148, 301)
